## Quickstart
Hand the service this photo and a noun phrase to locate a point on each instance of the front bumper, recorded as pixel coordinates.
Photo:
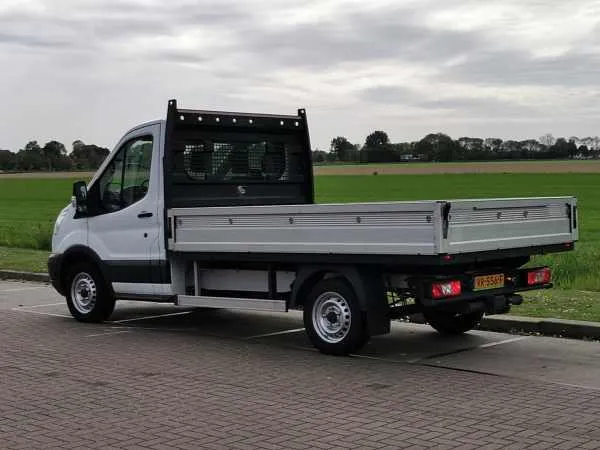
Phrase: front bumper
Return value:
(54, 271)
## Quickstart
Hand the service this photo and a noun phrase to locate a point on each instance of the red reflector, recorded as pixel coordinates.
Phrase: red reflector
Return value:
(446, 289)
(539, 276)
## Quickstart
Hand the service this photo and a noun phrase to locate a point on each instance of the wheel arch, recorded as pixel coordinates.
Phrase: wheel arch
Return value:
(77, 254)
(366, 281)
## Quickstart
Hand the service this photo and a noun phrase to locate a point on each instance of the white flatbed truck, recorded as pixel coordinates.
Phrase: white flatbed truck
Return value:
(216, 209)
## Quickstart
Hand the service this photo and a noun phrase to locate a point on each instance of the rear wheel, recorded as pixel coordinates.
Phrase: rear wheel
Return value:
(333, 319)
(452, 323)
(88, 296)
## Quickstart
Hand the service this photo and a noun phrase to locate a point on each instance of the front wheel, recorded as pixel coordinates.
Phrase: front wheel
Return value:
(333, 319)
(88, 296)
(450, 323)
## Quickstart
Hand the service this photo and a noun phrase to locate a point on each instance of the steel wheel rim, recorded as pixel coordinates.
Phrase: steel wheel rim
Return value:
(84, 293)
(331, 317)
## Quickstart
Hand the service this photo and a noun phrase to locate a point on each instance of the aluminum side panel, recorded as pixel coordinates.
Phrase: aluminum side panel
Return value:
(343, 229)
(393, 228)
(484, 225)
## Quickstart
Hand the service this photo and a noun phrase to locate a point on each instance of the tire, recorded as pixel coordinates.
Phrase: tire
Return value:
(452, 324)
(88, 296)
(333, 318)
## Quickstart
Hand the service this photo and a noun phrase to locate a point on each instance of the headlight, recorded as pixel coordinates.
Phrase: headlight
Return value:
(59, 220)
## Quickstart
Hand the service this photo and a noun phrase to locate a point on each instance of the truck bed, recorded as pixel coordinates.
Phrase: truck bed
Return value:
(428, 228)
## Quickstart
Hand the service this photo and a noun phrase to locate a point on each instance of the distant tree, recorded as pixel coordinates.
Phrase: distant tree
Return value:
(78, 143)
(438, 147)
(54, 153)
(87, 156)
(404, 150)
(342, 148)
(584, 151)
(30, 159)
(33, 146)
(8, 160)
(378, 148)
(531, 148)
(512, 150)
(470, 145)
(572, 148)
(426, 147)
(560, 149)
(472, 149)
(377, 139)
(595, 146)
(547, 140)
(319, 156)
(493, 145)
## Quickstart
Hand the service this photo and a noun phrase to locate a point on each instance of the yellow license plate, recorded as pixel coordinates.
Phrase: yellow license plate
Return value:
(495, 281)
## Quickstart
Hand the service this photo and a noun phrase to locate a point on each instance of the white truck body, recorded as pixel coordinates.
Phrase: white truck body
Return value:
(175, 213)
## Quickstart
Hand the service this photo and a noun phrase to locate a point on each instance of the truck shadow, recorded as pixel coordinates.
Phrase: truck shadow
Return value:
(407, 342)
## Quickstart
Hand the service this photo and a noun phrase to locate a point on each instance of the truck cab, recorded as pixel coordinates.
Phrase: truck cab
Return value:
(216, 209)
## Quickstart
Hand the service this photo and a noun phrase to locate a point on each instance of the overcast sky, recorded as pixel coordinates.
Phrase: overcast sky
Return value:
(91, 69)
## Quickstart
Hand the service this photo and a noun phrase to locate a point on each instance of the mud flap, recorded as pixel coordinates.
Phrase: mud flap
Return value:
(372, 295)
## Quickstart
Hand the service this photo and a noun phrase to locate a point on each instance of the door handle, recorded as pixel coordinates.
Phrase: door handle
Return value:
(144, 214)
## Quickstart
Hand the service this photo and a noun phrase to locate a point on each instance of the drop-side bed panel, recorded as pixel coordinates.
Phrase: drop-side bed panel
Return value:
(403, 228)
(395, 228)
(499, 224)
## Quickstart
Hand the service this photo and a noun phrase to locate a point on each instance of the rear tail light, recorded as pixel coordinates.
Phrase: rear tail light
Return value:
(446, 289)
(539, 276)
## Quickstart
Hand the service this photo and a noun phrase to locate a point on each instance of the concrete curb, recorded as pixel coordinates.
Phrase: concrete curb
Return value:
(577, 329)
(24, 276)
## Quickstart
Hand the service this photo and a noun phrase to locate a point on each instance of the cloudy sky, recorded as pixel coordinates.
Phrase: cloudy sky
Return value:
(91, 69)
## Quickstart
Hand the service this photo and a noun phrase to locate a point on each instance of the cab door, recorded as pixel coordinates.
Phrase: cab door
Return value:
(124, 228)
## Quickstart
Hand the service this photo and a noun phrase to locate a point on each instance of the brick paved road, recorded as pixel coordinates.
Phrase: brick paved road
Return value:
(193, 381)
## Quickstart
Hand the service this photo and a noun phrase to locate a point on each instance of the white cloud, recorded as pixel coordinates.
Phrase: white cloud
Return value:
(91, 69)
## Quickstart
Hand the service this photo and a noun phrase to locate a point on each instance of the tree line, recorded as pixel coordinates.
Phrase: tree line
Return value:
(439, 147)
(53, 156)
(435, 147)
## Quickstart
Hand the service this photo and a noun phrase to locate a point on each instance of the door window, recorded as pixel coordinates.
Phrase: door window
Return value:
(127, 177)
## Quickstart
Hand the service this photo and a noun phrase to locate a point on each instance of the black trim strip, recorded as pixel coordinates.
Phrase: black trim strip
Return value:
(145, 271)
(388, 260)
(148, 297)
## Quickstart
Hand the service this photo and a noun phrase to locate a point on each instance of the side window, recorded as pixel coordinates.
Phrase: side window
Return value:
(126, 179)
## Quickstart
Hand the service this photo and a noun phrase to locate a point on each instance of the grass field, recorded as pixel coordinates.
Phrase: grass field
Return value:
(29, 204)
(571, 166)
(574, 270)
(24, 259)
(28, 207)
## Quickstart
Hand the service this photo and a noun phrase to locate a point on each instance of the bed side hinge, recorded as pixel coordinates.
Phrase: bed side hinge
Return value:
(446, 206)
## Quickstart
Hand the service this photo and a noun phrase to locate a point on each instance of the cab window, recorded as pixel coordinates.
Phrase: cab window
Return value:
(127, 177)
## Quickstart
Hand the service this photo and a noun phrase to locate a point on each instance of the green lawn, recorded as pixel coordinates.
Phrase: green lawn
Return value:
(23, 259)
(574, 270)
(28, 207)
(560, 304)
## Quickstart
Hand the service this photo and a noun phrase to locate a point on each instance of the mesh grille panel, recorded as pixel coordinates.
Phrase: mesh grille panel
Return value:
(239, 161)
(197, 161)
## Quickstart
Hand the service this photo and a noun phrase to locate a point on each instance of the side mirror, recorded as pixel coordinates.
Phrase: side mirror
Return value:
(80, 196)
